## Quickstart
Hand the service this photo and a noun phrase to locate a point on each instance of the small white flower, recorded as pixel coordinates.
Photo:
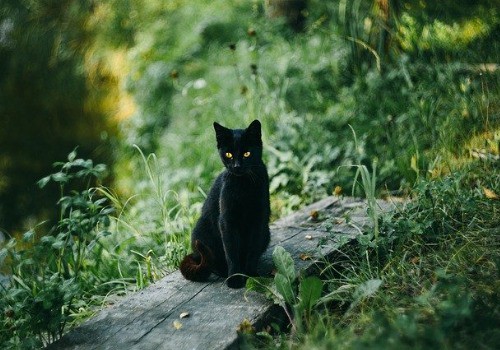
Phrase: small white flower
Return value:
(199, 84)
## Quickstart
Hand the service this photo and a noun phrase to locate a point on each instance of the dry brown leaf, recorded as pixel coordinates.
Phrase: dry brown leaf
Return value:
(245, 327)
(304, 257)
(314, 214)
(337, 190)
(177, 325)
(489, 193)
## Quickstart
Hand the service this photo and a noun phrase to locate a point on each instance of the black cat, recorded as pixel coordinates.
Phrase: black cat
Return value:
(233, 230)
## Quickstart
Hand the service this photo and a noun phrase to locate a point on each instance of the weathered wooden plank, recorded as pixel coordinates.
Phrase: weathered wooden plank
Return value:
(150, 319)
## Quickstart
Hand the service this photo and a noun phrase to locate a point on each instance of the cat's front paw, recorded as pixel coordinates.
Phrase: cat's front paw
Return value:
(236, 281)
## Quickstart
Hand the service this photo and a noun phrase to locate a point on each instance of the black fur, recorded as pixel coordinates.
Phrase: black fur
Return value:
(233, 230)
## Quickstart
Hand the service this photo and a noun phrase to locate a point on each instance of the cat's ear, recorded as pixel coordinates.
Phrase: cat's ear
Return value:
(222, 134)
(219, 128)
(254, 129)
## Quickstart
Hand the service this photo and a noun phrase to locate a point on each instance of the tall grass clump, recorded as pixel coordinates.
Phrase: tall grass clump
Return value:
(99, 248)
(155, 222)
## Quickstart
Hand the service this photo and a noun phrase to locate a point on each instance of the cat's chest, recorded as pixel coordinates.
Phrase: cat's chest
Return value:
(240, 194)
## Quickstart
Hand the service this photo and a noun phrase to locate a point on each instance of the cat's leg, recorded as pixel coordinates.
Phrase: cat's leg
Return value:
(251, 264)
(259, 247)
(231, 242)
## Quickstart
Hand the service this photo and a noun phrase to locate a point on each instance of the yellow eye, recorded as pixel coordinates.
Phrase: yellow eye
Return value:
(246, 154)
(229, 155)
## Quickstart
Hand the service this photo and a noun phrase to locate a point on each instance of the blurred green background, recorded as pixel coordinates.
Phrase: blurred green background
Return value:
(410, 84)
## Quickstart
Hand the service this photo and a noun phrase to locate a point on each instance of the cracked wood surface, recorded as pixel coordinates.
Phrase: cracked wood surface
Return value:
(150, 318)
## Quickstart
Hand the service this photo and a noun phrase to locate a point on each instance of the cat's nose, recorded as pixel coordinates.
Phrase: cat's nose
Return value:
(237, 168)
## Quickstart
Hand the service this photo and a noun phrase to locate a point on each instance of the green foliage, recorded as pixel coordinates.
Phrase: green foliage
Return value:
(51, 274)
(154, 225)
(98, 248)
(296, 293)
(309, 293)
(446, 31)
(285, 275)
(233, 64)
(427, 283)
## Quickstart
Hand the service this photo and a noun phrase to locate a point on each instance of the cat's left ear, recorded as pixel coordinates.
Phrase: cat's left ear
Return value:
(219, 129)
(254, 129)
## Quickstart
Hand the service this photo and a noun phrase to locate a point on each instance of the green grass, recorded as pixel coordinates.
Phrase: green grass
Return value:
(431, 280)
(416, 115)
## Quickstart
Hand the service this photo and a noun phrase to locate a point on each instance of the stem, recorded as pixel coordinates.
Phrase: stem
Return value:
(290, 318)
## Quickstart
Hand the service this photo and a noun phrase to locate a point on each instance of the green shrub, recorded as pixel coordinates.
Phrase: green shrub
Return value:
(51, 274)
(427, 282)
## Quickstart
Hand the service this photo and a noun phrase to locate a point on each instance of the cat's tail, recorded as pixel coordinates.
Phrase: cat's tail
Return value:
(196, 266)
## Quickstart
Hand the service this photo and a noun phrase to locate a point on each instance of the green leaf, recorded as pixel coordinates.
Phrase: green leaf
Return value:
(3, 255)
(60, 177)
(285, 288)
(259, 284)
(72, 155)
(28, 236)
(100, 201)
(263, 285)
(100, 169)
(43, 182)
(58, 244)
(310, 289)
(284, 263)
(21, 282)
(47, 239)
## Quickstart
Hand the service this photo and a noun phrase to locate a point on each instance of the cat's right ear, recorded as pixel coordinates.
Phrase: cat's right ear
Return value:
(222, 134)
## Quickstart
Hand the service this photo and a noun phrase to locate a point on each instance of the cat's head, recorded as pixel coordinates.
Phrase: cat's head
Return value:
(240, 149)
